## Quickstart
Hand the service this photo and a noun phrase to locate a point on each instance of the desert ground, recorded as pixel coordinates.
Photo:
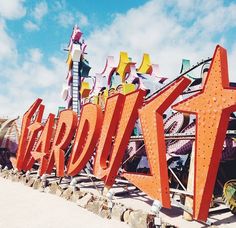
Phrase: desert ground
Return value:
(23, 207)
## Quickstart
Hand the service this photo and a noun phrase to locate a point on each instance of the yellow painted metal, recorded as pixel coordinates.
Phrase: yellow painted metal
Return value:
(125, 88)
(124, 61)
(102, 97)
(145, 65)
(85, 90)
(229, 195)
(69, 61)
(95, 101)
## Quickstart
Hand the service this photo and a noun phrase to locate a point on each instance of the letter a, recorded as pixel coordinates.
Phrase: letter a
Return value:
(41, 151)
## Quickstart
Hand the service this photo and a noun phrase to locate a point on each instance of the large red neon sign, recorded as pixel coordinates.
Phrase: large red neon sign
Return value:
(212, 106)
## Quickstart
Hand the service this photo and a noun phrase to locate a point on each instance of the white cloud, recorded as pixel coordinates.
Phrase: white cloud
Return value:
(82, 19)
(164, 33)
(29, 80)
(25, 79)
(59, 5)
(12, 9)
(216, 21)
(35, 55)
(232, 63)
(8, 51)
(67, 19)
(169, 31)
(40, 10)
(30, 26)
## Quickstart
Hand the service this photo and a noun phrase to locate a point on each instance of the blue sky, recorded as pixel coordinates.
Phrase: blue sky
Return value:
(34, 33)
(52, 23)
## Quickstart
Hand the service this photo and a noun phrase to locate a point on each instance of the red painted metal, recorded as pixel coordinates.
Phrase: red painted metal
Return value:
(24, 133)
(212, 107)
(120, 115)
(34, 130)
(42, 147)
(66, 126)
(88, 132)
(151, 116)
